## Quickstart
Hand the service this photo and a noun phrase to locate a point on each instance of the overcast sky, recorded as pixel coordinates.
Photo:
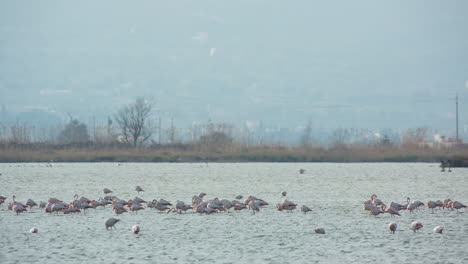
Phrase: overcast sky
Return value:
(373, 64)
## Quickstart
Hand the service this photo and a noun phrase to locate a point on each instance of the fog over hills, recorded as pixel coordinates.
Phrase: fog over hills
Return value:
(362, 64)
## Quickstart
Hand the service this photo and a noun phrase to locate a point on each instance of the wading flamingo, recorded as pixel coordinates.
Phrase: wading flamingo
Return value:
(135, 229)
(416, 225)
(319, 230)
(438, 229)
(111, 223)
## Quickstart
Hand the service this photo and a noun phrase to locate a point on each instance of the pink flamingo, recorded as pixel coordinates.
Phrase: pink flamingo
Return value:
(392, 227)
(438, 229)
(376, 211)
(457, 205)
(392, 211)
(416, 225)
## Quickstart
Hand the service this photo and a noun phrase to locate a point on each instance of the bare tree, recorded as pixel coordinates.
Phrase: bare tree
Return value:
(133, 121)
(340, 138)
(413, 137)
(306, 137)
(74, 132)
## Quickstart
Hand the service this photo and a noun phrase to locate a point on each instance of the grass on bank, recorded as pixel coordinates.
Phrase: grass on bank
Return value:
(200, 154)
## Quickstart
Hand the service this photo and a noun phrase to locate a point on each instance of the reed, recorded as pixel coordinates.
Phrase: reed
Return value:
(235, 153)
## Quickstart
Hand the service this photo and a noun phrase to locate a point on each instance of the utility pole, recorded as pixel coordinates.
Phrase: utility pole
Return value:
(456, 114)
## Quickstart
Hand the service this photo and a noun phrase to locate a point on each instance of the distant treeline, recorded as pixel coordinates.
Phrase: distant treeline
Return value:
(132, 136)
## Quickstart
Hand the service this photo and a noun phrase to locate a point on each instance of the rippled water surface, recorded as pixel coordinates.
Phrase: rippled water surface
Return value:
(335, 193)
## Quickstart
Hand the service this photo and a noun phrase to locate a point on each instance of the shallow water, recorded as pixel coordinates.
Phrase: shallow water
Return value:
(335, 193)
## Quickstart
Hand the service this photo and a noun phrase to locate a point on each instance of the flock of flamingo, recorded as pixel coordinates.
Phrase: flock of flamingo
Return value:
(376, 206)
(119, 206)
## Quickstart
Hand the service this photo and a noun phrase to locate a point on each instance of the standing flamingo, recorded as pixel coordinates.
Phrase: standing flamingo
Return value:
(2, 199)
(138, 189)
(319, 230)
(432, 205)
(392, 211)
(111, 223)
(457, 205)
(376, 211)
(438, 229)
(305, 209)
(392, 227)
(416, 225)
(31, 203)
(135, 229)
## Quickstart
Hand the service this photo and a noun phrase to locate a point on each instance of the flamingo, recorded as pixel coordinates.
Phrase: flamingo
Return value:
(392, 211)
(238, 206)
(392, 227)
(75, 202)
(31, 203)
(283, 193)
(447, 203)
(319, 230)
(445, 164)
(413, 205)
(397, 206)
(368, 206)
(138, 189)
(139, 200)
(182, 207)
(111, 223)
(457, 205)
(438, 229)
(94, 204)
(416, 225)
(106, 191)
(288, 205)
(135, 229)
(279, 207)
(238, 197)
(135, 207)
(33, 230)
(118, 211)
(15, 202)
(53, 200)
(19, 208)
(439, 204)
(305, 209)
(376, 201)
(254, 206)
(226, 204)
(376, 211)
(71, 210)
(58, 207)
(432, 205)
(2, 199)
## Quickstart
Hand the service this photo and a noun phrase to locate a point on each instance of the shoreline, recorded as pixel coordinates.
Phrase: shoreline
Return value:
(291, 155)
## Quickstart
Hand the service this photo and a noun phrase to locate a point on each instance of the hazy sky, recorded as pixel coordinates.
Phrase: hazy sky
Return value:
(374, 64)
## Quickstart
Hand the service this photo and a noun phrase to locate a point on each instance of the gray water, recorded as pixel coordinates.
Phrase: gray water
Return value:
(335, 193)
